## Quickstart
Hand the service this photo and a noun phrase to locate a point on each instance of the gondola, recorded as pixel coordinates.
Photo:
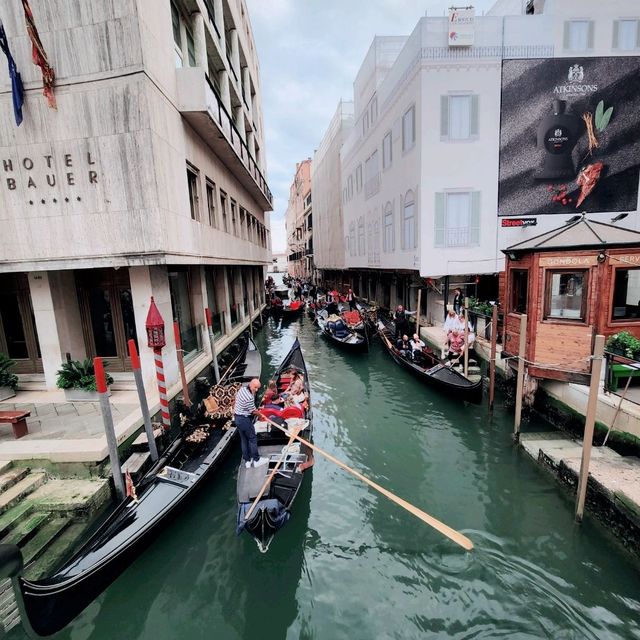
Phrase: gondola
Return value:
(291, 309)
(273, 509)
(48, 605)
(337, 332)
(433, 372)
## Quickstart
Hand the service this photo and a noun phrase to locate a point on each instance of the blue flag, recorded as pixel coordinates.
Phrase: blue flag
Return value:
(17, 89)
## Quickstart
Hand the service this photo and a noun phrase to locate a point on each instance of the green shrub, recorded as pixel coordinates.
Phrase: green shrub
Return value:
(481, 307)
(624, 344)
(79, 375)
(7, 379)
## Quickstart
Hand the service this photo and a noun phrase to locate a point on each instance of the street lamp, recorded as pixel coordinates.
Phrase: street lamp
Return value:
(156, 340)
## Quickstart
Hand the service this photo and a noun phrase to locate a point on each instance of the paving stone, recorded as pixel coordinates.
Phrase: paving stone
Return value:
(65, 410)
(83, 409)
(42, 410)
(5, 465)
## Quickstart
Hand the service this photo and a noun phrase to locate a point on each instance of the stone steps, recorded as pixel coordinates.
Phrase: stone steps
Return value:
(9, 613)
(21, 489)
(9, 519)
(12, 477)
(27, 529)
(43, 539)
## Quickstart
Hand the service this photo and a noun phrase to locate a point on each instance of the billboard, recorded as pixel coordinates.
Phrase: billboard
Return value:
(569, 136)
(461, 26)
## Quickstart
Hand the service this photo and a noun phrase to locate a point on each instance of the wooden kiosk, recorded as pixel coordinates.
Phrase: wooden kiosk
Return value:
(573, 282)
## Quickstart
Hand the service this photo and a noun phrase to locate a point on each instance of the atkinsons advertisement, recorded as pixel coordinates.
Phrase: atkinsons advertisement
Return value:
(569, 136)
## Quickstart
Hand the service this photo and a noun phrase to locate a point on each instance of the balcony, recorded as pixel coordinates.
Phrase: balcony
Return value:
(201, 107)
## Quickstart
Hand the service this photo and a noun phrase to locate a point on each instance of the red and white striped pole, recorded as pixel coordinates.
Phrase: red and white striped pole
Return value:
(156, 340)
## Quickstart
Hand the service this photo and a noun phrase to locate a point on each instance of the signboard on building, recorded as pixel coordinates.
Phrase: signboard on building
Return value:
(461, 26)
(519, 222)
(569, 136)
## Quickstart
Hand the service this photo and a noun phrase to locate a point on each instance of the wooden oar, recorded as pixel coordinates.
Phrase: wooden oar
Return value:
(447, 531)
(271, 476)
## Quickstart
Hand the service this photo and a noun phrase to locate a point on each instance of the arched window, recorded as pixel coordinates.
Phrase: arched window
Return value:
(361, 250)
(409, 222)
(388, 239)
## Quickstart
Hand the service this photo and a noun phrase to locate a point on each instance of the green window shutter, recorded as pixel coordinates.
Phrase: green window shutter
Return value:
(444, 116)
(473, 125)
(614, 44)
(565, 37)
(440, 224)
(474, 219)
(590, 35)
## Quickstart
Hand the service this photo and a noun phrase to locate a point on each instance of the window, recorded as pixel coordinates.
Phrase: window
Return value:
(388, 239)
(566, 295)
(578, 35)
(180, 292)
(409, 222)
(192, 182)
(234, 221)
(371, 175)
(242, 223)
(626, 34)
(365, 123)
(359, 178)
(223, 208)
(519, 290)
(211, 203)
(386, 151)
(361, 248)
(409, 129)
(458, 117)
(177, 40)
(352, 239)
(350, 187)
(234, 306)
(376, 240)
(373, 110)
(191, 48)
(626, 294)
(457, 217)
(217, 317)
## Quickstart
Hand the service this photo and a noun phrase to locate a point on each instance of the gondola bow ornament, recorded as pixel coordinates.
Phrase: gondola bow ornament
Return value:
(39, 56)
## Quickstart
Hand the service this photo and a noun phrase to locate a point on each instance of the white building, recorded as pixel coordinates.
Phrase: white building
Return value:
(148, 180)
(329, 249)
(420, 167)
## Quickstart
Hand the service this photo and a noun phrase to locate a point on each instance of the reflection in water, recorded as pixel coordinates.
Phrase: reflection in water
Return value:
(350, 564)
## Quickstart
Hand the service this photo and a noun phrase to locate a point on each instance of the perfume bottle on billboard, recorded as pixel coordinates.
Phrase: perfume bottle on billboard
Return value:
(558, 134)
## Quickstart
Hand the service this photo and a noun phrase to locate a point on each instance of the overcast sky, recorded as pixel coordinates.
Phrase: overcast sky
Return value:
(309, 53)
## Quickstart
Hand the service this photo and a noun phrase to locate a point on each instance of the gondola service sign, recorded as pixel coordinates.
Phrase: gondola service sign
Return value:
(461, 26)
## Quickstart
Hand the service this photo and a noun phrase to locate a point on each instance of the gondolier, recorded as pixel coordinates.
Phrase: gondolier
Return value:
(244, 408)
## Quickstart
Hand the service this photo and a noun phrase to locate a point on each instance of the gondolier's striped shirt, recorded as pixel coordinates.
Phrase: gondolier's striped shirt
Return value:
(245, 402)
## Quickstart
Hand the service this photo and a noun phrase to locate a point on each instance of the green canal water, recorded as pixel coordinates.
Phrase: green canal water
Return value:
(350, 564)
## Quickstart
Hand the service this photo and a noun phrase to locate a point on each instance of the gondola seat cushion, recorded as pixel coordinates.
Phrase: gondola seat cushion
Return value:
(292, 412)
(340, 329)
(224, 395)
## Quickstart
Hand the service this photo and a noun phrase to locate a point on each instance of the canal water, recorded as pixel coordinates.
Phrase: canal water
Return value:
(350, 564)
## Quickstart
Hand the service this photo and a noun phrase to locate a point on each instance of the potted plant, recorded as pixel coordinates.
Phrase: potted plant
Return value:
(482, 311)
(8, 380)
(77, 378)
(624, 344)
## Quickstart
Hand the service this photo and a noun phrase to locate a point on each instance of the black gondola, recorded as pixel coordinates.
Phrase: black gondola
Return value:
(339, 334)
(433, 372)
(273, 509)
(48, 605)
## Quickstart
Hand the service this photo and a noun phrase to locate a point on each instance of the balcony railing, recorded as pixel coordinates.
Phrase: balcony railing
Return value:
(201, 105)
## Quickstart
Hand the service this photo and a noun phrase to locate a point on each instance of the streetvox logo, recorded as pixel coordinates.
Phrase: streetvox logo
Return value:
(575, 85)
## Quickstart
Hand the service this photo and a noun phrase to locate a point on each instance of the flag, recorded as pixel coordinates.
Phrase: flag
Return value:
(17, 90)
(39, 56)
(131, 490)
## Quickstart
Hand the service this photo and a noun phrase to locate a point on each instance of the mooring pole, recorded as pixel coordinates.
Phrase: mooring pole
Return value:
(520, 382)
(418, 312)
(142, 397)
(492, 361)
(212, 340)
(596, 368)
(466, 336)
(107, 418)
(183, 375)
(251, 319)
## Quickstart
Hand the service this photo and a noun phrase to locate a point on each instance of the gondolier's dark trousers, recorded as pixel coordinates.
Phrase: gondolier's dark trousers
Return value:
(248, 438)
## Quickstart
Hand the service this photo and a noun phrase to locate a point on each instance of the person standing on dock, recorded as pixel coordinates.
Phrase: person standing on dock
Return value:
(243, 410)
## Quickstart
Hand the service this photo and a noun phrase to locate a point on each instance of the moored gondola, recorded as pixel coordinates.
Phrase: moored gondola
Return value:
(433, 372)
(49, 604)
(336, 331)
(272, 508)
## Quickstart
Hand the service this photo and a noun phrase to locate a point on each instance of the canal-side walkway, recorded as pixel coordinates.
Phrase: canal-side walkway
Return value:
(613, 490)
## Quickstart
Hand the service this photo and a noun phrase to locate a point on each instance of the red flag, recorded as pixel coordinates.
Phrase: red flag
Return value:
(39, 56)
(131, 490)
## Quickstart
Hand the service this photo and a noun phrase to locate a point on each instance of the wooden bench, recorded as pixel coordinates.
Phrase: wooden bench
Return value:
(621, 371)
(18, 420)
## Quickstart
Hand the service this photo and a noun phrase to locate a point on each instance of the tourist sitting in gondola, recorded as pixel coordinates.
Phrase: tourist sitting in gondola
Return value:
(404, 346)
(456, 344)
(271, 398)
(417, 345)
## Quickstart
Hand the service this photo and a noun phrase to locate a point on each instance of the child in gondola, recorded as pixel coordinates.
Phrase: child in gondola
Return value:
(272, 399)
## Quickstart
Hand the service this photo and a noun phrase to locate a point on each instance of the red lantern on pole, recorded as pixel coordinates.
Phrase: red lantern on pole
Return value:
(156, 340)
